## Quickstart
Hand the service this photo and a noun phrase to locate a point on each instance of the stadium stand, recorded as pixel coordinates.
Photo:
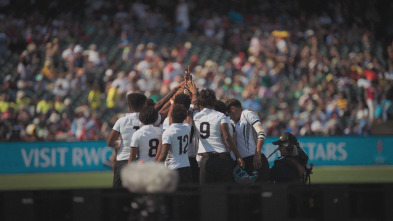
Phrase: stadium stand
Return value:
(320, 72)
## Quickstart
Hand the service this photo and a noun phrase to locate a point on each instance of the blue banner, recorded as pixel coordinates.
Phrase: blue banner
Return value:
(42, 157)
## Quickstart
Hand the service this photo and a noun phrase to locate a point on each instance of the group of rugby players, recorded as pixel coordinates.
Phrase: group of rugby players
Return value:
(191, 132)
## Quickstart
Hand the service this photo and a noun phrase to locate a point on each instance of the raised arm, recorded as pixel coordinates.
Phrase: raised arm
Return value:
(166, 108)
(191, 86)
(161, 103)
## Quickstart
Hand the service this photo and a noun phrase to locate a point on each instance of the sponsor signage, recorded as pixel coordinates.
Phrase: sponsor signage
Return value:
(53, 157)
(41, 157)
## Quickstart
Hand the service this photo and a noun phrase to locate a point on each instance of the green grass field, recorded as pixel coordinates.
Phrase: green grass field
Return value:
(359, 174)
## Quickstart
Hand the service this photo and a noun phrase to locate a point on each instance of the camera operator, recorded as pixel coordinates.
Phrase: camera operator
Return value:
(292, 164)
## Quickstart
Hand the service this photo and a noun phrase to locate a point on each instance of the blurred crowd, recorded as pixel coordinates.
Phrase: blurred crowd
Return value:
(308, 73)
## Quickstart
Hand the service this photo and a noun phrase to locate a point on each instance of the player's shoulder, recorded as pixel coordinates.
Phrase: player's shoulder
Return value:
(171, 129)
(218, 114)
(129, 117)
(250, 115)
(137, 134)
(186, 125)
(246, 112)
(153, 129)
(121, 119)
(196, 113)
(158, 129)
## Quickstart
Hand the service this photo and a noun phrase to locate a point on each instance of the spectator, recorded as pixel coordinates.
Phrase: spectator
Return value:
(43, 105)
(4, 104)
(182, 15)
(113, 97)
(94, 97)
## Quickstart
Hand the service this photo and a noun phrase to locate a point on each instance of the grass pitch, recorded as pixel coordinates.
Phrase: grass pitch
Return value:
(355, 174)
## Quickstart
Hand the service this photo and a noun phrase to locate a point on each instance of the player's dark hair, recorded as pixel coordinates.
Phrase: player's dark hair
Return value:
(207, 98)
(233, 102)
(148, 115)
(179, 113)
(150, 102)
(183, 99)
(220, 106)
(136, 101)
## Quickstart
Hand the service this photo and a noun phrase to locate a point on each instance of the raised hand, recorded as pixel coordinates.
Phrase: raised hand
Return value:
(191, 86)
(187, 75)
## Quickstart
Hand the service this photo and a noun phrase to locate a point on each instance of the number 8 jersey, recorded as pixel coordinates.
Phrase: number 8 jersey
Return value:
(208, 128)
(146, 139)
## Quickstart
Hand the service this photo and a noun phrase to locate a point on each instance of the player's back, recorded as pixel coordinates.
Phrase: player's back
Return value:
(246, 135)
(127, 126)
(208, 127)
(178, 136)
(147, 139)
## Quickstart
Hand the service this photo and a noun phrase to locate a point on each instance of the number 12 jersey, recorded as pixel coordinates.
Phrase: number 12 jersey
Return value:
(177, 135)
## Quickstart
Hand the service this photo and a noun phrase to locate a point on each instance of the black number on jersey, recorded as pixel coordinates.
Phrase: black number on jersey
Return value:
(136, 127)
(181, 141)
(204, 128)
(153, 144)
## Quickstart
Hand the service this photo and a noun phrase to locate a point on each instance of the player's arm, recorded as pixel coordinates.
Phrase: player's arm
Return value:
(112, 140)
(159, 149)
(261, 140)
(229, 143)
(161, 103)
(191, 86)
(179, 88)
(166, 108)
(134, 150)
(164, 152)
(234, 134)
(133, 154)
(189, 119)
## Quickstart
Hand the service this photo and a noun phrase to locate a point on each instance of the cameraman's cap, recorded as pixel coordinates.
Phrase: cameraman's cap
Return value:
(286, 138)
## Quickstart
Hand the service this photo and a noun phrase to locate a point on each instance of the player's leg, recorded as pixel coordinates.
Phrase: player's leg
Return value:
(116, 173)
(185, 175)
(194, 169)
(264, 172)
(224, 169)
(205, 173)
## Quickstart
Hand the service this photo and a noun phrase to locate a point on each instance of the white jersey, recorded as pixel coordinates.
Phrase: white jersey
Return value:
(193, 140)
(165, 124)
(208, 129)
(246, 139)
(177, 135)
(126, 126)
(146, 139)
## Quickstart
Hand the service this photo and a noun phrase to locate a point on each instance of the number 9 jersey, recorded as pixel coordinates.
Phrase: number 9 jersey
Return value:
(208, 129)
(146, 139)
